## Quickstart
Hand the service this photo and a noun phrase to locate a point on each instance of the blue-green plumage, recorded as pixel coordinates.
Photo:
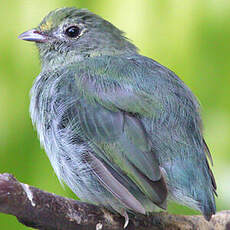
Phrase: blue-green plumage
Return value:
(120, 129)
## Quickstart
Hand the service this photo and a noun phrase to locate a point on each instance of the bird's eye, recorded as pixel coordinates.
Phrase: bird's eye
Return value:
(72, 31)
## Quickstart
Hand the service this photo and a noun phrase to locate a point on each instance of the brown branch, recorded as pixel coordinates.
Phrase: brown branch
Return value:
(42, 210)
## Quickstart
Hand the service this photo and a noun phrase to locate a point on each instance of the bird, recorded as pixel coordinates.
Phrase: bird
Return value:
(120, 129)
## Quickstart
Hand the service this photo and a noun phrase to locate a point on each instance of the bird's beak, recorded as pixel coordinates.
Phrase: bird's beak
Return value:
(33, 36)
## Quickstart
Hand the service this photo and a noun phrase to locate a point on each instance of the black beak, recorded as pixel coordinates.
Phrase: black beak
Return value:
(33, 36)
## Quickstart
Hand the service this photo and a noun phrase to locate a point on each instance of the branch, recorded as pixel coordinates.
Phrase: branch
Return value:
(42, 210)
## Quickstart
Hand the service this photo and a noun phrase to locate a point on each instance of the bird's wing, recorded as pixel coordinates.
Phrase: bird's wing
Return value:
(109, 117)
(120, 139)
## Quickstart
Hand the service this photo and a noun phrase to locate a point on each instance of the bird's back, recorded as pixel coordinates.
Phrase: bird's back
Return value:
(176, 135)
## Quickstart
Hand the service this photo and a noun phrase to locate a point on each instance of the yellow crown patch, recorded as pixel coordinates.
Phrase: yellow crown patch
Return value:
(46, 26)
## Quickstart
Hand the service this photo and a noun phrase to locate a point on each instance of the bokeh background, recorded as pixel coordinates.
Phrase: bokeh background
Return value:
(190, 37)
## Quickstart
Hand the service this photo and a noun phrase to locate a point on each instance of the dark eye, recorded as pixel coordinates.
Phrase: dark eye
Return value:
(72, 31)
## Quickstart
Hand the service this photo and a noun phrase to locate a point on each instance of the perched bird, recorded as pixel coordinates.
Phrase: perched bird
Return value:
(120, 129)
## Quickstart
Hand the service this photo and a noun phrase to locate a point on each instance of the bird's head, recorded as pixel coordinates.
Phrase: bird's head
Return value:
(76, 32)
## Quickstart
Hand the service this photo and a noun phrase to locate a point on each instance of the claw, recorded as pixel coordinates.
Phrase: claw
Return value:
(125, 215)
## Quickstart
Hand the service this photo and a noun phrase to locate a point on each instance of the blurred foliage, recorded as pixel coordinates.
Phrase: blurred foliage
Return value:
(190, 37)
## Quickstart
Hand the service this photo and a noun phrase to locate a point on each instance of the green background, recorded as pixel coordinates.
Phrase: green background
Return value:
(190, 37)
